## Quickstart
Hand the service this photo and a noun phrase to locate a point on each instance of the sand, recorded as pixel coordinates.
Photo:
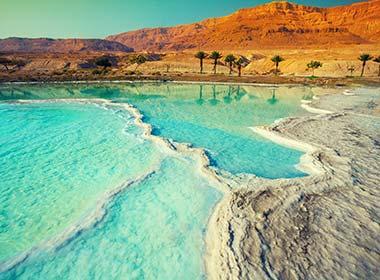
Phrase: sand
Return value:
(183, 66)
(324, 226)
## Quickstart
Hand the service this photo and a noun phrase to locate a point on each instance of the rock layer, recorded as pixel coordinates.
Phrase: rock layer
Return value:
(270, 25)
(60, 45)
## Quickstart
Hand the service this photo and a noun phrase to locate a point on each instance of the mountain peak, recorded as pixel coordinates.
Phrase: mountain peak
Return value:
(287, 6)
(275, 24)
(281, 4)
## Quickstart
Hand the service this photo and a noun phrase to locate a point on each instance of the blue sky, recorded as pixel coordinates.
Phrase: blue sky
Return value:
(99, 18)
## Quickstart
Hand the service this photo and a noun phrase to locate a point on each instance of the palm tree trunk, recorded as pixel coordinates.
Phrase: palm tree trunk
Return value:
(201, 65)
(276, 68)
(215, 63)
(239, 68)
(230, 68)
(378, 74)
(361, 75)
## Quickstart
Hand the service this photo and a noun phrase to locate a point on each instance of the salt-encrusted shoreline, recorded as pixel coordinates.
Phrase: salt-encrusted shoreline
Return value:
(324, 226)
(307, 163)
(98, 213)
(243, 239)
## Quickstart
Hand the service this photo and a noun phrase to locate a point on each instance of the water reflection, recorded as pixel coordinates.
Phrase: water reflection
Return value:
(273, 100)
(105, 92)
(200, 100)
(202, 94)
(227, 99)
(214, 101)
(239, 94)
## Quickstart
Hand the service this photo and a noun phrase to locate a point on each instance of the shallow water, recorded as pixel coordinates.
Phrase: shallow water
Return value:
(60, 161)
(154, 230)
(217, 118)
(56, 161)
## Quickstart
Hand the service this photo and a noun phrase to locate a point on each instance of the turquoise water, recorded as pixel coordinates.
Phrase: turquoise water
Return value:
(217, 118)
(60, 163)
(56, 161)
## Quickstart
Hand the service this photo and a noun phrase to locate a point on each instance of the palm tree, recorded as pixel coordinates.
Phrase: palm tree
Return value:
(215, 56)
(314, 65)
(240, 63)
(364, 58)
(201, 55)
(230, 59)
(277, 59)
(377, 60)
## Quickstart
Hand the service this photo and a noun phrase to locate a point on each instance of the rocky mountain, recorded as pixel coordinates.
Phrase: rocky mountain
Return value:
(60, 45)
(273, 25)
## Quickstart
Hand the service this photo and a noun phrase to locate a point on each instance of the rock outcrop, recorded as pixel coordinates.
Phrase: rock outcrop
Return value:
(277, 24)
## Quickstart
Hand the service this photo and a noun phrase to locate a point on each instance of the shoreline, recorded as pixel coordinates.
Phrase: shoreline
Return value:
(97, 214)
(341, 82)
(308, 164)
(273, 228)
(221, 182)
(92, 216)
(216, 239)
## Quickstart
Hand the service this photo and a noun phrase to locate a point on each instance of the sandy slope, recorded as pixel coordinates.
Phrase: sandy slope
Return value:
(336, 61)
(325, 226)
(74, 66)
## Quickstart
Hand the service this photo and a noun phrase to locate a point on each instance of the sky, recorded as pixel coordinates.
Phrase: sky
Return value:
(99, 18)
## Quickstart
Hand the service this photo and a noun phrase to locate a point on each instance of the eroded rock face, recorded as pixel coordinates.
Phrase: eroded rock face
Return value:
(60, 45)
(271, 25)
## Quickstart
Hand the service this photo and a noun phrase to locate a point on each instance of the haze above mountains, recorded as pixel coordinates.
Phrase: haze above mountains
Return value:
(273, 25)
